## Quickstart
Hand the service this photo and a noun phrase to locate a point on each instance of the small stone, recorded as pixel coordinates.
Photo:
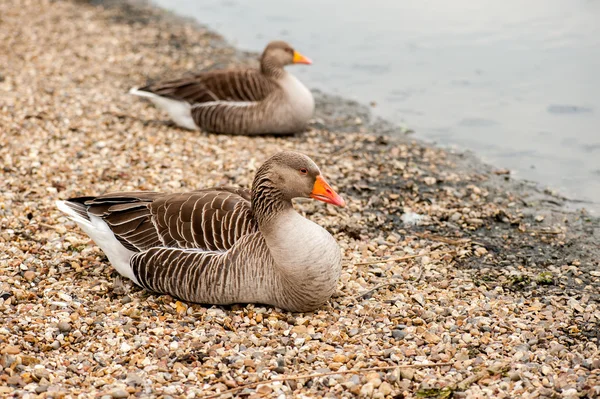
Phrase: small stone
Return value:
(40, 373)
(407, 374)
(264, 389)
(430, 180)
(376, 382)
(335, 366)
(119, 394)
(300, 330)
(419, 299)
(15, 380)
(230, 383)
(431, 338)
(64, 326)
(480, 251)
(41, 388)
(11, 350)
(29, 360)
(125, 347)
(126, 299)
(514, 376)
(134, 379)
(385, 388)
(29, 275)
(161, 352)
(366, 391)
(338, 357)
(398, 334)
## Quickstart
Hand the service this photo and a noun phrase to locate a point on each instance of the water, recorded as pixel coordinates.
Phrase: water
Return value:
(516, 81)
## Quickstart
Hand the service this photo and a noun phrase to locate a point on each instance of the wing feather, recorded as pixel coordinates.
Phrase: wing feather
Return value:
(203, 219)
(225, 85)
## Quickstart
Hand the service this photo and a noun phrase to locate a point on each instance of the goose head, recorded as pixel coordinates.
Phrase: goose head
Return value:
(288, 175)
(278, 54)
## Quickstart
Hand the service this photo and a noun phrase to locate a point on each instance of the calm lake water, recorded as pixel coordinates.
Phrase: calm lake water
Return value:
(515, 81)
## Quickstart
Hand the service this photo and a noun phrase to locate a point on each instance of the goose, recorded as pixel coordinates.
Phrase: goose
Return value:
(268, 100)
(222, 245)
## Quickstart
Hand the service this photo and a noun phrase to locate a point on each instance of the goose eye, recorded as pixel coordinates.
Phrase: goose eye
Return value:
(303, 171)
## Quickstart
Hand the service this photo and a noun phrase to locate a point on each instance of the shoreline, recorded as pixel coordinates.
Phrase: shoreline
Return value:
(498, 276)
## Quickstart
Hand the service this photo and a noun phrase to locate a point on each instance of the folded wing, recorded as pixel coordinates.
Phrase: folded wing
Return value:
(231, 85)
(211, 220)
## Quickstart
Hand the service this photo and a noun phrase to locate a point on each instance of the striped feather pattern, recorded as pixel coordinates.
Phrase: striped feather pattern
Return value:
(233, 85)
(235, 118)
(211, 219)
(208, 277)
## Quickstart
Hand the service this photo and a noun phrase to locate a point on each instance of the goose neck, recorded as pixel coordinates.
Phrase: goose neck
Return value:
(271, 68)
(268, 203)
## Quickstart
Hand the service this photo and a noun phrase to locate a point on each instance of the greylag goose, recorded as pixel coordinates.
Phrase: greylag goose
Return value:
(244, 101)
(222, 245)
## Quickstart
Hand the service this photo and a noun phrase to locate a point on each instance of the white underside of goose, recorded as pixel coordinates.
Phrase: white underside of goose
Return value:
(179, 111)
(101, 234)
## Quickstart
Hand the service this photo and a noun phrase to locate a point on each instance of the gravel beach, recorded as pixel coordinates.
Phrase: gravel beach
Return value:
(498, 282)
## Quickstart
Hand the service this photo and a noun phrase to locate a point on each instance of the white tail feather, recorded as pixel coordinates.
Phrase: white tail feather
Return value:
(179, 111)
(137, 92)
(102, 235)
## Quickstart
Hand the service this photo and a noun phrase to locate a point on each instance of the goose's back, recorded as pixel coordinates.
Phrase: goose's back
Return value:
(244, 85)
(211, 219)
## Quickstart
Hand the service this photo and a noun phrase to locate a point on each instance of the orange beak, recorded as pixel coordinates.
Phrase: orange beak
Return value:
(323, 192)
(300, 59)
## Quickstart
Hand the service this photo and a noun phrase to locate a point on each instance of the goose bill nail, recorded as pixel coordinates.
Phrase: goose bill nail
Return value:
(300, 59)
(322, 191)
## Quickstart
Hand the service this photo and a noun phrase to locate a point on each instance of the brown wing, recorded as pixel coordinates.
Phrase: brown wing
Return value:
(211, 219)
(229, 85)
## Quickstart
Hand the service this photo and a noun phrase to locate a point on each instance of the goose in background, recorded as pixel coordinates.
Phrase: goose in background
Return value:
(222, 245)
(268, 100)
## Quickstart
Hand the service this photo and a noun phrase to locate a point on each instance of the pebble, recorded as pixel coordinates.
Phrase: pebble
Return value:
(299, 330)
(119, 394)
(398, 334)
(514, 376)
(41, 389)
(264, 389)
(40, 373)
(11, 350)
(353, 332)
(385, 388)
(338, 357)
(64, 326)
(366, 391)
(29, 275)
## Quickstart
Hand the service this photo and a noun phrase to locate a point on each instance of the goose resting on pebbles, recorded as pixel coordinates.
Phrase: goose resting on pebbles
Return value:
(268, 100)
(222, 245)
